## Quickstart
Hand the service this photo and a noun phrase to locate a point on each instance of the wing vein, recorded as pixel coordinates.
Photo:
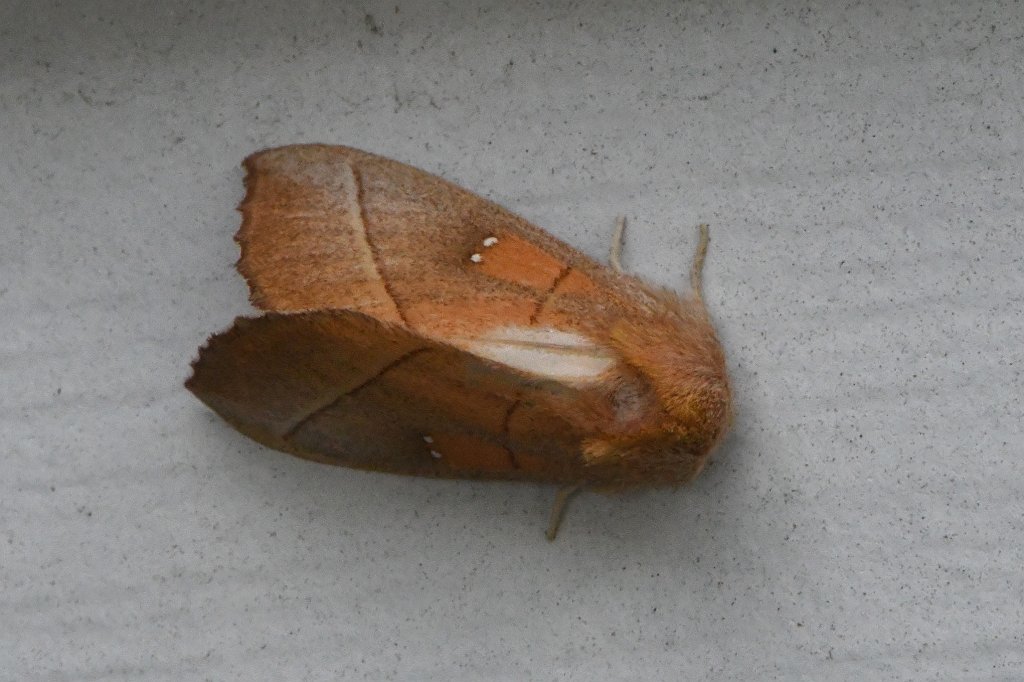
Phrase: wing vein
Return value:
(506, 425)
(549, 293)
(371, 247)
(403, 358)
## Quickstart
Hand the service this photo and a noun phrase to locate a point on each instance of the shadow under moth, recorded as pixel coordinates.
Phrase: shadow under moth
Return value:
(413, 327)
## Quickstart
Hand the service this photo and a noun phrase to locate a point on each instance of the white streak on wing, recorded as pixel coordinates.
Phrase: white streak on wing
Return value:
(550, 353)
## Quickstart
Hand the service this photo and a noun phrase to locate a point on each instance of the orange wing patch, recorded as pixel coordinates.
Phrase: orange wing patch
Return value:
(471, 454)
(466, 316)
(513, 259)
(516, 260)
(467, 454)
(575, 282)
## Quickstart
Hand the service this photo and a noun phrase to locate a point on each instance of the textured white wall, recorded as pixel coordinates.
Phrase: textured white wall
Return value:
(861, 166)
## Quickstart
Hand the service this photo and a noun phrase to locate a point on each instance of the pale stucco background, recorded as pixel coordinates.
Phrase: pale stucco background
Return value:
(861, 166)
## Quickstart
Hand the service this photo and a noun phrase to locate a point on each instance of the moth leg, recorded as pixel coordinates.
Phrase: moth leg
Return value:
(615, 253)
(697, 269)
(558, 509)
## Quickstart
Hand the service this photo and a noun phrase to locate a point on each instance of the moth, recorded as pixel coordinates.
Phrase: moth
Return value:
(413, 327)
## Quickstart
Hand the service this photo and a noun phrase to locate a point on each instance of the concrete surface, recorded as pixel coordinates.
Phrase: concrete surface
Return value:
(861, 165)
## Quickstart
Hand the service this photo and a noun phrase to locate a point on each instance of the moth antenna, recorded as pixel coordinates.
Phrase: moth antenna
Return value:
(558, 508)
(697, 269)
(615, 253)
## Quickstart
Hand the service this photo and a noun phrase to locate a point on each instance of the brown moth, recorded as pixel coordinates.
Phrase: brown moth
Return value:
(414, 327)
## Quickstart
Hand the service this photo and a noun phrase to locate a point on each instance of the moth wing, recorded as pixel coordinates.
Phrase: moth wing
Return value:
(334, 227)
(327, 227)
(342, 387)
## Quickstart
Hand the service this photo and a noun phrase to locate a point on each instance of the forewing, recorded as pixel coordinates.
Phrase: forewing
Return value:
(344, 388)
(334, 227)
